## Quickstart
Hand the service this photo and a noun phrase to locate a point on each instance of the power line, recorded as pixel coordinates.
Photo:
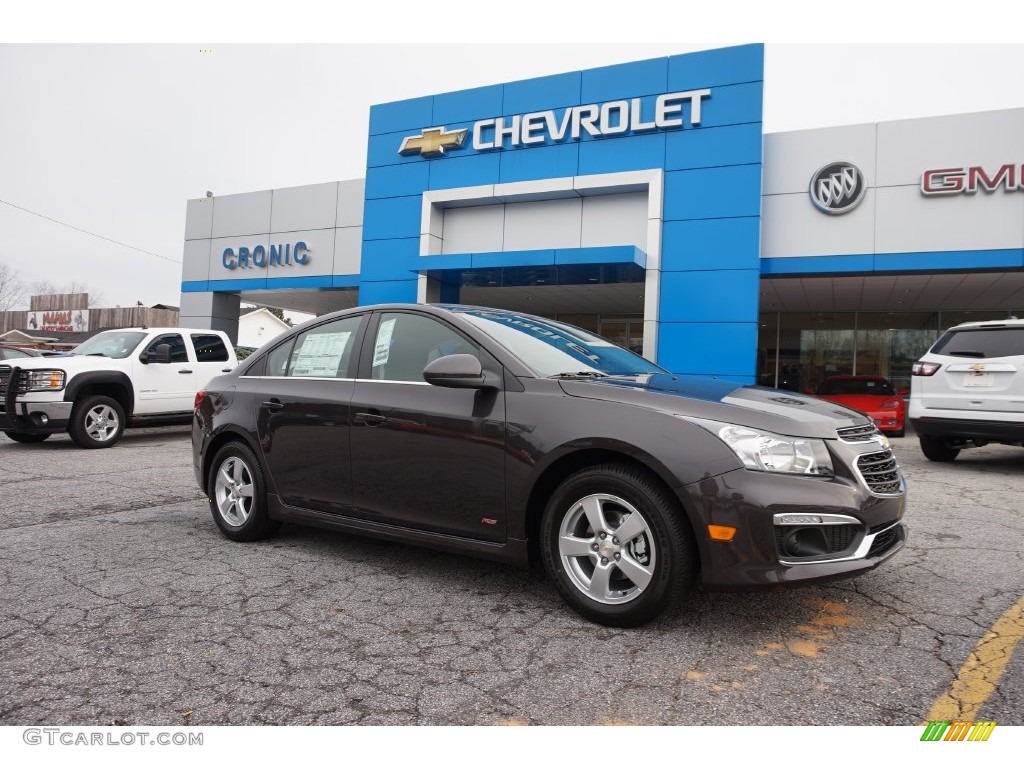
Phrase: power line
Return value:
(101, 237)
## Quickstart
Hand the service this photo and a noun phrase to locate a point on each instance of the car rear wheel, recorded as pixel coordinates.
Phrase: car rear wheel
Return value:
(238, 498)
(617, 546)
(96, 422)
(938, 449)
(24, 437)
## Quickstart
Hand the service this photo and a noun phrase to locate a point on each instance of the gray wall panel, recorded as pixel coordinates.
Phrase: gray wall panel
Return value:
(217, 269)
(348, 247)
(198, 219)
(908, 147)
(303, 208)
(195, 261)
(351, 196)
(792, 226)
(244, 214)
(909, 221)
(790, 159)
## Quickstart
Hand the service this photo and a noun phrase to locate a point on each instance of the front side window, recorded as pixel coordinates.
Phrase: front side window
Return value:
(405, 344)
(209, 348)
(324, 351)
(177, 344)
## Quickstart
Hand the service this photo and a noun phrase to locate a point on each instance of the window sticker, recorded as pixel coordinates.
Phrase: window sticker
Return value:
(321, 354)
(383, 349)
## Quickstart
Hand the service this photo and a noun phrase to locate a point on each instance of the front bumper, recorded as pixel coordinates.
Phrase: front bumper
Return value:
(972, 429)
(757, 556)
(34, 418)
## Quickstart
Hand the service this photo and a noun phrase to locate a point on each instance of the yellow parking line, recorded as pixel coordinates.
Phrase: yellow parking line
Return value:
(984, 668)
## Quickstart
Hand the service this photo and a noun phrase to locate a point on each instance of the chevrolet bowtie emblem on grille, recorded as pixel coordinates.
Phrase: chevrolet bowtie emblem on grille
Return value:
(977, 367)
(433, 142)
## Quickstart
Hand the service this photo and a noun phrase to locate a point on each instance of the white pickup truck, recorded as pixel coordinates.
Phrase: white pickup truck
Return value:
(119, 378)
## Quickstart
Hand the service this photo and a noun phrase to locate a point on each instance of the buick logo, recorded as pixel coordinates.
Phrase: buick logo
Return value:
(837, 188)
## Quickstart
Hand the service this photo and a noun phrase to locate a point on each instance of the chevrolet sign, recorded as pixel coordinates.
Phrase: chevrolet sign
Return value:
(613, 118)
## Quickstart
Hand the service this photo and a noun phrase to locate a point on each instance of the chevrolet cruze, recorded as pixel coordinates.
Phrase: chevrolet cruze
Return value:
(517, 438)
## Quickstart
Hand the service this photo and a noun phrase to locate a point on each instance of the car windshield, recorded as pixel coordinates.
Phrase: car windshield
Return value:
(856, 387)
(551, 348)
(116, 344)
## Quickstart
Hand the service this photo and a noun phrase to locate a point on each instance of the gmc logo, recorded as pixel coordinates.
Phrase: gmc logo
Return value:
(967, 181)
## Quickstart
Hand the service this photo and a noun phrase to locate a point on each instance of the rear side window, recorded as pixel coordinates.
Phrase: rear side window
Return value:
(981, 343)
(277, 360)
(210, 348)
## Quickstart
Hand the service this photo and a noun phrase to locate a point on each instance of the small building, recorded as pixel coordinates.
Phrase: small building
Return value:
(258, 326)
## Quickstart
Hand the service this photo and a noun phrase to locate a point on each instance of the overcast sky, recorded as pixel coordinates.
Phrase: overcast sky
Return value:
(115, 138)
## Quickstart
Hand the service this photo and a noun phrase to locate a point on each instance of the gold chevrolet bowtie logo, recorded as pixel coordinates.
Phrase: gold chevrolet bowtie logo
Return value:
(433, 141)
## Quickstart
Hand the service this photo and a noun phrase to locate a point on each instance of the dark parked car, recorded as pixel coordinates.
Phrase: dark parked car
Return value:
(508, 436)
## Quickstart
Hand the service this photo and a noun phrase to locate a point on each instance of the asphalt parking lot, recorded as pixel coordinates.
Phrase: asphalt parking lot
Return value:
(122, 604)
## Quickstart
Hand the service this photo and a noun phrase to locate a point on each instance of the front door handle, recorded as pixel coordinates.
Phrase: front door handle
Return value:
(370, 418)
(273, 404)
(184, 371)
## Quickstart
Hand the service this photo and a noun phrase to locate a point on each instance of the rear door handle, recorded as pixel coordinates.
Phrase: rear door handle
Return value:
(226, 370)
(273, 404)
(184, 371)
(370, 419)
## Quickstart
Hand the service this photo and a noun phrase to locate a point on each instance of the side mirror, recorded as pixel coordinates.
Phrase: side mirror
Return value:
(457, 371)
(161, 354)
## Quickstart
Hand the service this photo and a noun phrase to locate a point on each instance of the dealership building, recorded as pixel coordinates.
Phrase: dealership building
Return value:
(643, 201)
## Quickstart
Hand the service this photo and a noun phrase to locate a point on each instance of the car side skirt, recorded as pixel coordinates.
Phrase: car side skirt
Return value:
(512, 551)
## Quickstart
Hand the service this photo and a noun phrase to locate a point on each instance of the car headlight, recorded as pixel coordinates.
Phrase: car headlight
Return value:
(43, 380)
(768, 452)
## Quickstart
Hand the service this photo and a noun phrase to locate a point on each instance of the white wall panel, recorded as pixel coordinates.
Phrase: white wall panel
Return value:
(615, 220)
(543, 224)
(478, 229)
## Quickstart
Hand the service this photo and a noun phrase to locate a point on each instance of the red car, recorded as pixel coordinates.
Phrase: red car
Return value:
(873, 395)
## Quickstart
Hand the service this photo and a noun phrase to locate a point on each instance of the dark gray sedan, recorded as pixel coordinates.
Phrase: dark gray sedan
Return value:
(514, 437)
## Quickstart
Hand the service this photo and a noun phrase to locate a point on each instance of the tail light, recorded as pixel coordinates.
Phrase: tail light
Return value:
(891, 404)
(201, 395)
(924, 369)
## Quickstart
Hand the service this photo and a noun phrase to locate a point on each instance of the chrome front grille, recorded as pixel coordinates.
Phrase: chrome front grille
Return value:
(880, 472)
(864, 433)
(5, 377)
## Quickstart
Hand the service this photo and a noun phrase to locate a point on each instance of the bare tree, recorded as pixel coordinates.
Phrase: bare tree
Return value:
(12, 290)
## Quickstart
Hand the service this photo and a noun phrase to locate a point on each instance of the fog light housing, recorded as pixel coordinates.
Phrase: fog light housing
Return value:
(805, 542)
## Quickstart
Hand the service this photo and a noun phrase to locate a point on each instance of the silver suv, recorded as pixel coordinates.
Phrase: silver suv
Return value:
(968, 390)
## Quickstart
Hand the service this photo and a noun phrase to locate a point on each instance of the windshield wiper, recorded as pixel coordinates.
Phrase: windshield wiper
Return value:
(578, 375)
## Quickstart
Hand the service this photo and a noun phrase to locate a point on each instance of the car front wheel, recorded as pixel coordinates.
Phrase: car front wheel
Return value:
(617, 546)
(238, 498)
(96, 422)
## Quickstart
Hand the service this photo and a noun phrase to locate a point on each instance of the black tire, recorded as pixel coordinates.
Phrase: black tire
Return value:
(666, 541)
(938, 449)
(238, 519)
(24, 437)
(96, 421)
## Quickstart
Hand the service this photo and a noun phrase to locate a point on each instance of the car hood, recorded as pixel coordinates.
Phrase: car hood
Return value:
(69, 363)
(773, 410)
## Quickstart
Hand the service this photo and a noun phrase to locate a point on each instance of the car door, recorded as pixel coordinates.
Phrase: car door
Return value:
(425, 456)
(211, 357)
(165, 387)
(303, 395)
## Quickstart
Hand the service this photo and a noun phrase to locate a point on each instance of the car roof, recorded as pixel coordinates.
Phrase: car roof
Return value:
(1010, 322)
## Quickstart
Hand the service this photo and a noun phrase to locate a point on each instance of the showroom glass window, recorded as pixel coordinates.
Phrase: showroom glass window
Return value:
(177, 344)
(405, 344)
